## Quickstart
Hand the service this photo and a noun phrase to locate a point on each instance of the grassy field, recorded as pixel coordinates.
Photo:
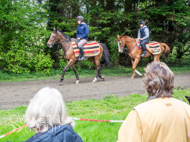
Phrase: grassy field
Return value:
(56, 74)
(109, 108)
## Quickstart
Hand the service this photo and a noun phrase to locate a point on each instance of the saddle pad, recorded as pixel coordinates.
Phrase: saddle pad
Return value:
(90, 49)
(153, 47)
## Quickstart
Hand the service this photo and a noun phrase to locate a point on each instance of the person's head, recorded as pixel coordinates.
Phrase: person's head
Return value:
(80, 19)
(46, 110)
(159, 80)
(142, 23)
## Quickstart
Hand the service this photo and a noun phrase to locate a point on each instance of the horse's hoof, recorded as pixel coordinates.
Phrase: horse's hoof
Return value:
(77, 82)
(95, 79)
(103, 79)
(132, 77)
(60, 83)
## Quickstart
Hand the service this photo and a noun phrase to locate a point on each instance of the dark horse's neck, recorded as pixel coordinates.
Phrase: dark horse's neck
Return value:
(65, 41)
(129, 42)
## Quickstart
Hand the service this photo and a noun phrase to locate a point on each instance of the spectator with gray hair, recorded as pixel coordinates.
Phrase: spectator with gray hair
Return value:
(161, 118)
(47, 114)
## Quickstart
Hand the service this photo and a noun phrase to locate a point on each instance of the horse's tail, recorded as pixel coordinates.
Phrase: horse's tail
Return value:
(106, 54)
(166, 51)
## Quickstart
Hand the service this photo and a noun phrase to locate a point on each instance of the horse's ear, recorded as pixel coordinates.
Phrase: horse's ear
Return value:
(59, 29)
(118, 37)
(54, 29)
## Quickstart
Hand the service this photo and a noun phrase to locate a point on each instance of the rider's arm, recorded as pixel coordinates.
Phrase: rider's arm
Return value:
(86, 32)
(77, 33)
(139, 34)
(146, 30)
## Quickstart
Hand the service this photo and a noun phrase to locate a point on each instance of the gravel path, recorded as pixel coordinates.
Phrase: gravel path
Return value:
(14, 94)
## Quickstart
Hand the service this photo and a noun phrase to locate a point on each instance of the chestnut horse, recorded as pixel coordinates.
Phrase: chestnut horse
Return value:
(59, 36)
(135, 53)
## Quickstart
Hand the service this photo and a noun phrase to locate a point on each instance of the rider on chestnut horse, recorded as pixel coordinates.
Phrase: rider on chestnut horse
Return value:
(143, 36)
(82, 35)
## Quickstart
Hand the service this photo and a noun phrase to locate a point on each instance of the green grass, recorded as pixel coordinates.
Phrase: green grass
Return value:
(56, 74)
(109, 108)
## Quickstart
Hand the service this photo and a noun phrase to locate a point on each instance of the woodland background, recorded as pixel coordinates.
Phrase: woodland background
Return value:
(26, 25)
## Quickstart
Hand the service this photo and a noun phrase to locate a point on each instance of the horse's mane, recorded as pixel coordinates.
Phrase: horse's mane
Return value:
(128, 37)
(66, 36)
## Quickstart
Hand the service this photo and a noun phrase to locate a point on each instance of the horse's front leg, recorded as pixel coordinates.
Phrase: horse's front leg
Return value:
(65, 68)
(136, 61)
(132, 61)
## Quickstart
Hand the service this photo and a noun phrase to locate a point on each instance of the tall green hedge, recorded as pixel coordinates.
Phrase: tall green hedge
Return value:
(25, 26)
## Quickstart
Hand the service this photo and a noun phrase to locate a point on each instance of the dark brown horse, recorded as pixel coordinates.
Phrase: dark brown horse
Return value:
(59, 36)
(135, 53)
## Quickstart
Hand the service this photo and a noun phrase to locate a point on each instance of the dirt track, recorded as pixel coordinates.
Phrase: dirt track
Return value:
(14, 94)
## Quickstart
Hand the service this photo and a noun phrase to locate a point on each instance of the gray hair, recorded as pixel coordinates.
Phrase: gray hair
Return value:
(47, 109)
(159, 80)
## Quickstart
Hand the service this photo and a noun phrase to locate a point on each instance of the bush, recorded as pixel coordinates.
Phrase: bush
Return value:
(113, 50)
(24, 61)
(43, 63)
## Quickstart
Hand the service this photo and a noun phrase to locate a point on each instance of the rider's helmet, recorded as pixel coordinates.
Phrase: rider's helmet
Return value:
(142, 22)
(80, 18)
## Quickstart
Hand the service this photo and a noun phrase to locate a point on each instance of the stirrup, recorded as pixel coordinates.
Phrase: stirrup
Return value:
(143, 55)
(81, 58)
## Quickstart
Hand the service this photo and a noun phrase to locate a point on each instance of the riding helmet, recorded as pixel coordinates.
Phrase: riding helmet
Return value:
(142, 22)
(80, 18)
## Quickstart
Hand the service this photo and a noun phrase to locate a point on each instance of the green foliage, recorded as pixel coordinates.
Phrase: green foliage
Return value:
(43, 63)
(109, 108)
(84, 64)
(167, 21)
(22, 44)
(26, 25)
(113, 49)
(62, 63)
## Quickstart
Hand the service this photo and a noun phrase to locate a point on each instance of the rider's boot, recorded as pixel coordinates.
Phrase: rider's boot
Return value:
(143, 54)
(144, 50)
(82, 54)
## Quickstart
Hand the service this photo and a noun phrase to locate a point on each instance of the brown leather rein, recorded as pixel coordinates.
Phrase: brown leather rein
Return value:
(129, 51)
(66, 40)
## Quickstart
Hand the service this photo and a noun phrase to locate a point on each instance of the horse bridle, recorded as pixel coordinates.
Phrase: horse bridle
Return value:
(129, 51)
(53, 41)
(123, 45)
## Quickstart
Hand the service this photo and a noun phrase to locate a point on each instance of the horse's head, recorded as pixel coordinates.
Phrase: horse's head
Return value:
(54, 38)
(121, 44)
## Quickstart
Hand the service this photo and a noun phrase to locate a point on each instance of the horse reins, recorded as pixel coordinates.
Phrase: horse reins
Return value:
(129, 51)
(61, 41)
(52, 41)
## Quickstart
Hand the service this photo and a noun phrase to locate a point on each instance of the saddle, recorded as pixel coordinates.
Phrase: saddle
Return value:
(91, 49)
(153, 47)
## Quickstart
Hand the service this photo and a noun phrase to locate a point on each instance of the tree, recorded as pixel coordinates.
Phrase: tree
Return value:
(23, 34)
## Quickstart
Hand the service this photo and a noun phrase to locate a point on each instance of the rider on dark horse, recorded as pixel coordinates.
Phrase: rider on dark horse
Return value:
(143, 36)
(82, 35)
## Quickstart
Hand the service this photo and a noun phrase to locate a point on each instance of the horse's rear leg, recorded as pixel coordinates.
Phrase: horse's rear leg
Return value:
(77, 77)
(65, 68)
(99, 73)
(96, 61)
(157, 58)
